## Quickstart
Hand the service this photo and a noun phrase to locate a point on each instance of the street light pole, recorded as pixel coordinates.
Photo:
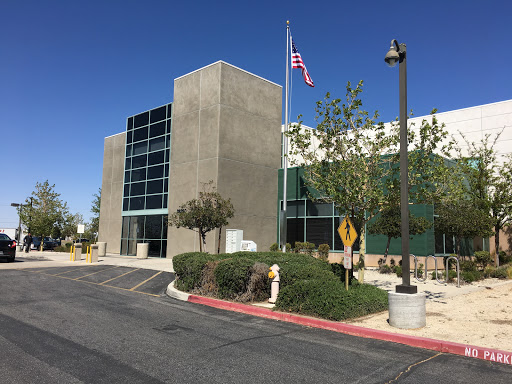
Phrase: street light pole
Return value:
(19, 220)
(398, 53)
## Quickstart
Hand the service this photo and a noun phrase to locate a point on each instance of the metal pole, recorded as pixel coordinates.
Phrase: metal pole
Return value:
(406, 286)
(282, 216)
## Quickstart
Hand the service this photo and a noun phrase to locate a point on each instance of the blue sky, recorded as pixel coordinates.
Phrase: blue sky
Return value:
(72, 71)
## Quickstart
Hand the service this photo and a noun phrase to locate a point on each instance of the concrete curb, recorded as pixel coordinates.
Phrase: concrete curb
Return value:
(176, 294)
(481, 353)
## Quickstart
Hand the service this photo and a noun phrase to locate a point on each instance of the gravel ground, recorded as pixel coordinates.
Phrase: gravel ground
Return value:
(478, 314)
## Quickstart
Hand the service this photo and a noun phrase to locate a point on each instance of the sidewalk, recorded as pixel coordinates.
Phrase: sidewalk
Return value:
(57, 259)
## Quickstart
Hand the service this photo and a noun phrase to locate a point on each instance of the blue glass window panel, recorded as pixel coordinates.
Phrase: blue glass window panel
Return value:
(319, 209)
(136, 203)
(157, 129)
(139, 161)
(157, 114)
(156, 172)
(154, 202)
(156, 144)
(156, 158)
(140, 148)
(140, 134)
(154, 186)
(138, 189)
(139, 174)
(141, 119)
(129, 123)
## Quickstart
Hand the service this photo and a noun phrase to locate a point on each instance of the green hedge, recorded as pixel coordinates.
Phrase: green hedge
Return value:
(329, 299)
(307, 285)
(232, 276)
(188, 268)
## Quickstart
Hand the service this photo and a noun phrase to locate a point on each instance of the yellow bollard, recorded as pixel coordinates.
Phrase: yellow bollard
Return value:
(88, 254)
(71, 253)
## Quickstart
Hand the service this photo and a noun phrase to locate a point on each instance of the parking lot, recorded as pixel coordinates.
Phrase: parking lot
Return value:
(145, 281)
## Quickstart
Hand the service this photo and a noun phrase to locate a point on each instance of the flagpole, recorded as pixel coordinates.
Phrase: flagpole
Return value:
(283, 218)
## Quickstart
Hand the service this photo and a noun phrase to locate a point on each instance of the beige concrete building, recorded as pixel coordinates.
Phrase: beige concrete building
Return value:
(223, 125)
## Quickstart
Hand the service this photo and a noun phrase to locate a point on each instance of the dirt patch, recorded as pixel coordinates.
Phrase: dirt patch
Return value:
(472, 314)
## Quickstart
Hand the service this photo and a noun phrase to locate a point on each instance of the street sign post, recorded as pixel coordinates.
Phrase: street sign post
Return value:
(348, 235)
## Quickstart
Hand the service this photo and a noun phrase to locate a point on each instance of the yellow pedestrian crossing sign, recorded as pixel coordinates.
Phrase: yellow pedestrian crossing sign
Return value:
(347, 232)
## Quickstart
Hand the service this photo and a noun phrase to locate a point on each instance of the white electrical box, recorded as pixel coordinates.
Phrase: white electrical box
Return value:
(249, 246)
(234, 239)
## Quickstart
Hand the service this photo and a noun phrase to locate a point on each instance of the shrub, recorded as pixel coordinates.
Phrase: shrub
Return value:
(451, 263)
(468, 266)
(258, 285)
(504, 259)
(330, 300)
(188, 268)
(489, 271)
(288, 247)
(232, 276)
(305, 247)
(384, 268)
(323, 251)
(452, 275)
(339, 271)
(420, 270)
(470, 276)
(509, 272)
(398, 270)
(483, 258)
(501, 272)
(274, 247)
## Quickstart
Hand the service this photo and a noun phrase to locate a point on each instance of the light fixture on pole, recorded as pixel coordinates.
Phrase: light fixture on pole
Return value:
(398, 54)
(19, 218)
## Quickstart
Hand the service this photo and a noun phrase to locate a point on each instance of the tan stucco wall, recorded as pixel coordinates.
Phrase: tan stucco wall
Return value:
(226, 128)
(112, 192)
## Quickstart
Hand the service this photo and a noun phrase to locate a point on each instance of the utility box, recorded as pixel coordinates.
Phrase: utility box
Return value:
(249, 246)
(234, 238)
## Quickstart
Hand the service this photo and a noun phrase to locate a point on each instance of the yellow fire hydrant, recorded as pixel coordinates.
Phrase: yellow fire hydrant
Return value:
(274, 288)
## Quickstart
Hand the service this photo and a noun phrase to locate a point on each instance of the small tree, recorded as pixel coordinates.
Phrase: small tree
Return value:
(460, 218)
(204, 214)
(94, 226)
(352, 160)
(43, 213)
(488, 182)
(388, 223)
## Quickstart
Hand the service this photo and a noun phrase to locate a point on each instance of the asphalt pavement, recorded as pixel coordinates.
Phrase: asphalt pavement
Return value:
(63, 326)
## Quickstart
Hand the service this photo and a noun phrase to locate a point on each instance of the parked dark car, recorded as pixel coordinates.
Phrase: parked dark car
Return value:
(82, 241)
(48, 243)
(7, 247)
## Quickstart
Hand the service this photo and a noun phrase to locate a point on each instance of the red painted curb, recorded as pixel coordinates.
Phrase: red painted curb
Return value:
(482, 353)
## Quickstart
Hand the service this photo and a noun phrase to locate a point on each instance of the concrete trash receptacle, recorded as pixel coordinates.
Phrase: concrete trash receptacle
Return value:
(407, 311)
(142, 250)
(94, 253)
(78, 252)
(102, 248)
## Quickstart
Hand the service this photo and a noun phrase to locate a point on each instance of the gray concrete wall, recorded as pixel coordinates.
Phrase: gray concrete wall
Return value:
(226, 128)
(112, 192)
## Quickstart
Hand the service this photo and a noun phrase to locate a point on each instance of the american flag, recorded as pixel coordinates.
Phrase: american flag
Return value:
(298, 63)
